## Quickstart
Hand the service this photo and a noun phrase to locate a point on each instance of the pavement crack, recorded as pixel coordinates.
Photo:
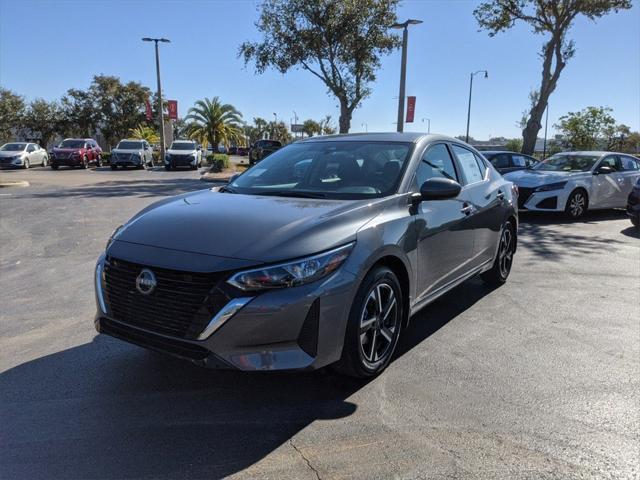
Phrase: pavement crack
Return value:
(306, 460)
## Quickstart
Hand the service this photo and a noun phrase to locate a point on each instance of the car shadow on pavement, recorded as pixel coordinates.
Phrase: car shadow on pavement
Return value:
(110, 410)
(631, 231)
(546, 235)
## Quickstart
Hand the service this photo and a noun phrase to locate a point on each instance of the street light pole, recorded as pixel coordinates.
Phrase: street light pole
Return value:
(428, 124)
(160, 112)
(486, 75)
(366, 127)
(403, 68)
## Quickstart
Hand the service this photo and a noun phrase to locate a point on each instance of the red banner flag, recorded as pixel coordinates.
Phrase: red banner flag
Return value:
(149, 112)
(172, 106)
(411, 109)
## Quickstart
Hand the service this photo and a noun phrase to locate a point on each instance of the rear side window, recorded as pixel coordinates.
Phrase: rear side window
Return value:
(436, 163)
(469, 164)
(629, 164)
(501, 160)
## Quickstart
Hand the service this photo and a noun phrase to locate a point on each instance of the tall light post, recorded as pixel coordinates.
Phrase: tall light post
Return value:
(160, 113)
(428, 124)
(486, 75)
(366, 127)
(295, 117)
(403, 68)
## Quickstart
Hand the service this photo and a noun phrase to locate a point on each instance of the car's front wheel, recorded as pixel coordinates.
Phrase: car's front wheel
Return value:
(577, 204)
(374, 325)
(26, 164)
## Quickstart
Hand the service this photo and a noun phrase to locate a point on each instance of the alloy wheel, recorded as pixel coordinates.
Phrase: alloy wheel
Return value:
(577, 204)
(378, 325)
(505, 254)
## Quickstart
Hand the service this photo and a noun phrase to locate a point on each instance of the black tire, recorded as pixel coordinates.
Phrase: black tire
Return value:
(85, 162)
(363, 355)
(635, 221)
(577, 204)
(113, 167)
(99, 161)
(167, 168)
(45, 161)
(504, 258)
(54, 167)
(26, 164)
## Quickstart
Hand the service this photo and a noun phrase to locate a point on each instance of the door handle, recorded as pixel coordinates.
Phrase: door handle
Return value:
(467, 209)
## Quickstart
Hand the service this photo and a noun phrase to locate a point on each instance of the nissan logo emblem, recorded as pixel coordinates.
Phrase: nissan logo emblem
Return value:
(146, 282)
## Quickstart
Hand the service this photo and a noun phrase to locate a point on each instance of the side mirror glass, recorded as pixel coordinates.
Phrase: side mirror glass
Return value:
(439, 189)
(603, 170)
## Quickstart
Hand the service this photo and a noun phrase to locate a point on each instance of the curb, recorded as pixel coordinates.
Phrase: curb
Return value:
(19, 183)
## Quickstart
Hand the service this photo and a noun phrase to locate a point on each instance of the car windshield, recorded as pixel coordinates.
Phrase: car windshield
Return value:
(183, 146)
(13, 147)
(71, 144)
(567, 163)
(129, 145)
(333, 170)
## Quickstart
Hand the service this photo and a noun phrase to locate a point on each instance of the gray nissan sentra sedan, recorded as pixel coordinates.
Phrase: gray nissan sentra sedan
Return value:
(317, 255)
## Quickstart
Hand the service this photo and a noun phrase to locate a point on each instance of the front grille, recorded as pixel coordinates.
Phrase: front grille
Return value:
(181, 305)
(523, 195)
(6, 161)
(549, 203)
(181, 159)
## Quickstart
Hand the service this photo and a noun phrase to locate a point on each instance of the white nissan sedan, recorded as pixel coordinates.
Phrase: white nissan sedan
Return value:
(574, 182)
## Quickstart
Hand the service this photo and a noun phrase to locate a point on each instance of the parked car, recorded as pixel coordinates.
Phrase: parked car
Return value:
(183, 153)
(633, 205)
(22, 155)
(261, 149)
(76, 152)
(233, 150)
(575, 182)
(319, 256)
(242, 151)
(506, 162)
(132, 152)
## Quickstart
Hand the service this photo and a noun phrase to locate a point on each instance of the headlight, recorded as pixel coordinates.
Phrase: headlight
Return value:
(551, 186)
(292, 274)
(113, 236)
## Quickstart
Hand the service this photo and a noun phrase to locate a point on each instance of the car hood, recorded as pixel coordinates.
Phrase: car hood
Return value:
(249, 227)
(12, 153)
(535, 178)
(181, 152)
(67, 150)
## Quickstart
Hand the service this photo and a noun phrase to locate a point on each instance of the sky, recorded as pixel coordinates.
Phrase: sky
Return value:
(47, 47)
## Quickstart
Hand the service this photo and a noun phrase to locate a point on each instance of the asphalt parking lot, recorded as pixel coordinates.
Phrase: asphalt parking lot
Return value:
(537, 379)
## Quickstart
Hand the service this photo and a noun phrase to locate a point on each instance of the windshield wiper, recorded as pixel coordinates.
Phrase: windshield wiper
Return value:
(292, 193)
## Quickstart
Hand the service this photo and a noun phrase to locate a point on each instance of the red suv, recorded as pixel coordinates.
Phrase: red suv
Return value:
(76, 152)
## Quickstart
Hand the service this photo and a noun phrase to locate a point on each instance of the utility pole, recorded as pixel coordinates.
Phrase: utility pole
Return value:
(486, 75)
(160, 112)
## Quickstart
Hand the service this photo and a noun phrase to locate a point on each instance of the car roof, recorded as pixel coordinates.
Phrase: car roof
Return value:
(598, 153)
(407, 137)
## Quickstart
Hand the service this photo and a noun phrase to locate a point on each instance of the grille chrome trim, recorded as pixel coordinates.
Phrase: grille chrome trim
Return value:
(228, 311)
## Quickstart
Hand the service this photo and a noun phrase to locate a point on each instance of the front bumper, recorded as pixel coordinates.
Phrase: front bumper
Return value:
(66, 162)
(299, 328)
(6, 163)
(181, 161)
(549, 201)
(126, 161)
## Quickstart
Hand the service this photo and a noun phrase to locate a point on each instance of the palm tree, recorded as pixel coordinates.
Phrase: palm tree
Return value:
(144, 132)
(213, 122)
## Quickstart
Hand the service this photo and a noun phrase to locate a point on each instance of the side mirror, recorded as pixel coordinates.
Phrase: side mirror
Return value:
(439, 189)
(603, 170)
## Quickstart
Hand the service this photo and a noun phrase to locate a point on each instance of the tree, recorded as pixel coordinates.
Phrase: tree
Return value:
(588, 129)
(340, 42)
(311, 128)
(552, 18)
(213, 122)
(12, 109)
(279, 131)
(327, 126)
(144, 132)
(513, 144)
(78, 115)
(42, 120)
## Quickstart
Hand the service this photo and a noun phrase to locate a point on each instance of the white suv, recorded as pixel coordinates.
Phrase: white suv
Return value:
(183, 153)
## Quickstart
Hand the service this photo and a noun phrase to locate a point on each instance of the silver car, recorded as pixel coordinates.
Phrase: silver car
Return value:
(131, 153)
(575, 182)
(22, 155)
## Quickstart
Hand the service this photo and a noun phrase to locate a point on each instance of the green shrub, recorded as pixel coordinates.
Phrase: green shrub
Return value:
(217, 161)
(106, 156)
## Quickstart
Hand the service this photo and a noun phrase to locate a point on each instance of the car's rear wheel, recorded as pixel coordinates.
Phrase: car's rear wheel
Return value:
(114, 167)
(54, 166)
(504, 259)
(99, 161)
(577, 204)
(374, 325)
(44, 161)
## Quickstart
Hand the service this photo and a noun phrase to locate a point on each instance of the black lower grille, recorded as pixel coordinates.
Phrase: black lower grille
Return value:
(308, 336)
(549, 203)
(523, 195)
(155, 342)
(181, 305)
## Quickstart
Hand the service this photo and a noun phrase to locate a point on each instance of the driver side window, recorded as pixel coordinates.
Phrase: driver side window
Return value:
(612, 162)
(436, 163)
